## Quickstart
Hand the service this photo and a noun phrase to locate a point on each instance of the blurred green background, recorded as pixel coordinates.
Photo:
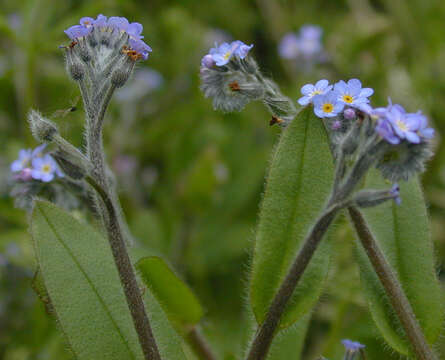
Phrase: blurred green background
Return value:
(190, 178)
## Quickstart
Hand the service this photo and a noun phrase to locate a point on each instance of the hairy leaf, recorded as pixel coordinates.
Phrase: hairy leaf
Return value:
(82, 281)
(404, 237)
(298, 184)
(176, 298)
(168, 341)
(288, 344)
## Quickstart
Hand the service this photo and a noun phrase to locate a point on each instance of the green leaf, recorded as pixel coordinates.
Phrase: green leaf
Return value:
(288, 344)
(300, 178)
(404, 237)
(175, 297)
(84, 287)
(168, 341)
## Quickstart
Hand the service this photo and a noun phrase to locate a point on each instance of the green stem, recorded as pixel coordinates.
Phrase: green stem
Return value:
(127, 276)
(199, 345)
(394, 291)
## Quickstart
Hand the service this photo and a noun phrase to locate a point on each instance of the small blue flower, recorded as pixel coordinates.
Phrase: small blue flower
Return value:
(45, 168)
(405, 126)
(77, 31)
(289, 46)
(352, 346)
(140, 47)
(327, 105)
(134, 30)
(311, 31)
(321, 87)
(352, 93)
(241, 49)
(395, 191)
(87, 22)
(24, 160)
(101, 21)
(309, 42)
(119, 23)
(424, 130)
(385, 130)
(223, 53)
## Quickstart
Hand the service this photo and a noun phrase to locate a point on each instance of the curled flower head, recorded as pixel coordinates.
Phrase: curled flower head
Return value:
(45, 168)
(308, 91)
(113, 31)
(327, 105)
(352, 93)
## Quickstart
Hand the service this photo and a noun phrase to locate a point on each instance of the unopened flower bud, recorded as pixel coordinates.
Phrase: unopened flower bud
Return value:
(351, 140)
(42, 129)
(349, 114)
(370, 198)
(207, 61)
(76, 71)
(68, 166)
(120, 76)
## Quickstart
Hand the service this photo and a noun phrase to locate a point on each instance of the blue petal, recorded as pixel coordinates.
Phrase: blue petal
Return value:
(340, 87)
(321, 84)
(366, 92)
(307, 89)
(319, 113)
(412, 137)
(304, 100)
(354, 86)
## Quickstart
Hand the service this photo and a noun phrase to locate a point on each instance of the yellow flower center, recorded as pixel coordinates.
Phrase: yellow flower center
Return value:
(46, 168)
(227, 55)
(401, 125)
(348, 99)
(327, 108)
(316, 92)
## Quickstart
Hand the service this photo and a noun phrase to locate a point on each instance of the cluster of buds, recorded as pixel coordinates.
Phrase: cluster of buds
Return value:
(232, 79)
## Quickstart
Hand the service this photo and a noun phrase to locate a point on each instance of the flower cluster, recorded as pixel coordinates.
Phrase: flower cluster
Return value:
(396, 142)
(34, 164)
(305, 44)
(119, 27)
(395, 125)
(221, 55)
(331, 100)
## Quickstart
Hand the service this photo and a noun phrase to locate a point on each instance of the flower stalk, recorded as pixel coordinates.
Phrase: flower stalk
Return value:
(394, 291)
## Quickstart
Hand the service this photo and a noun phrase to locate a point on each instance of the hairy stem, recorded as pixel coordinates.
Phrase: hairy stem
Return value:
(127, 276)
(108, 207)
(199, 345)
(264, 336)
(394, 291)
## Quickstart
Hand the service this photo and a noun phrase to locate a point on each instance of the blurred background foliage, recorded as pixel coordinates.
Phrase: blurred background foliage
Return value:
(190, 178)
